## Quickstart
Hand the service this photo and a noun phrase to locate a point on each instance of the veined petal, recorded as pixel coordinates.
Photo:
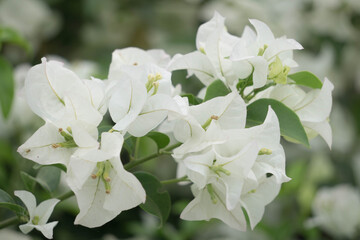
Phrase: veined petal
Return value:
(126, 190)
(79, 170)
(46, 229)
(264, 34)
(255, 201)
(84, 136)
(197, 166)
(318, 106)
(29, 200)
(280, 45)
(202, 208)
(45, 209)
(321, 128)
(39, 148)
(127, 57)
(127, 102)
(26, 228)
(47, 84)
(196, 63)
(206, 29)
(153, 113)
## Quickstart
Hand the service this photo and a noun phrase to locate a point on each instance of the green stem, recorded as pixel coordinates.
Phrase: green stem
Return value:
(175, 180)
(65, 196)
(152, 156)
(9, 222)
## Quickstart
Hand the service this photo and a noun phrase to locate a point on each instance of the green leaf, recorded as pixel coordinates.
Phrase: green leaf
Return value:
(6, 201)
(161, 140)
(104, 128)
(8, 35)
(158, 201)
(216, 89)
(306, 78)
(28, 180)
(6, 87)
(62, 167)
(49, 177)
(290, 125)
(193, 100)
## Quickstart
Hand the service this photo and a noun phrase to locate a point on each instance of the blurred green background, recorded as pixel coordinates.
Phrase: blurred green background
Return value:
(83, 33)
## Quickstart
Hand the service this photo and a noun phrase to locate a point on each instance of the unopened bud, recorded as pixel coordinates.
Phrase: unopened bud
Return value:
(265, 151)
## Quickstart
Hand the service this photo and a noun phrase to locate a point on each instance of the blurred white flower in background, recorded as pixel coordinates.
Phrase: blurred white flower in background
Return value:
(34, 20)
(337, 211)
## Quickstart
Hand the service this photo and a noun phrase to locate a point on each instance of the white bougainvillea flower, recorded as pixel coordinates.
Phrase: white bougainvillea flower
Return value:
(211, 60)
(38, 215)
(195, 128)
(57, 95)
(313, 107)
(136, 57)
(264, 55)
(271, 157)
(50, 144)
(336, 210)
(234, 174)
(245, 152)
(210, 202)
(141, 99)
(101, 185)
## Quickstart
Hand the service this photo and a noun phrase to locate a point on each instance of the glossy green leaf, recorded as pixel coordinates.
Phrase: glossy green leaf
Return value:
(306, 78)
(6, 87)
(193, 100)
(6, 201)
(49, 178)
(161, 139)
(28, 180)
(290, 125)
(158, 201)
(8, 35)
(216, 89)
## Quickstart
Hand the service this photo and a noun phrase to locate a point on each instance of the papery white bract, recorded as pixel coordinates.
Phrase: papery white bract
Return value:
(194, 128)
(141, 96)
(50, 144)
(313, 107)
(38, 215)
(102, 187)
(57, 95)
(211, 60)
(233, 172)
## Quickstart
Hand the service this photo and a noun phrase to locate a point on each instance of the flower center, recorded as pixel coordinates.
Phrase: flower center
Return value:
(35, 220)
(103, 172)
(153, 82)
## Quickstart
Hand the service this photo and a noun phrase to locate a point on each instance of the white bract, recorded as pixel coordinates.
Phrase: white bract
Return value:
(313, 107)
(50, 144)
(140, 96)
(211, 60)
(231, 174)
(201, 124)
(264, 55)
(38, 215)
(337, 211)
(102, 187)
(58, 95)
